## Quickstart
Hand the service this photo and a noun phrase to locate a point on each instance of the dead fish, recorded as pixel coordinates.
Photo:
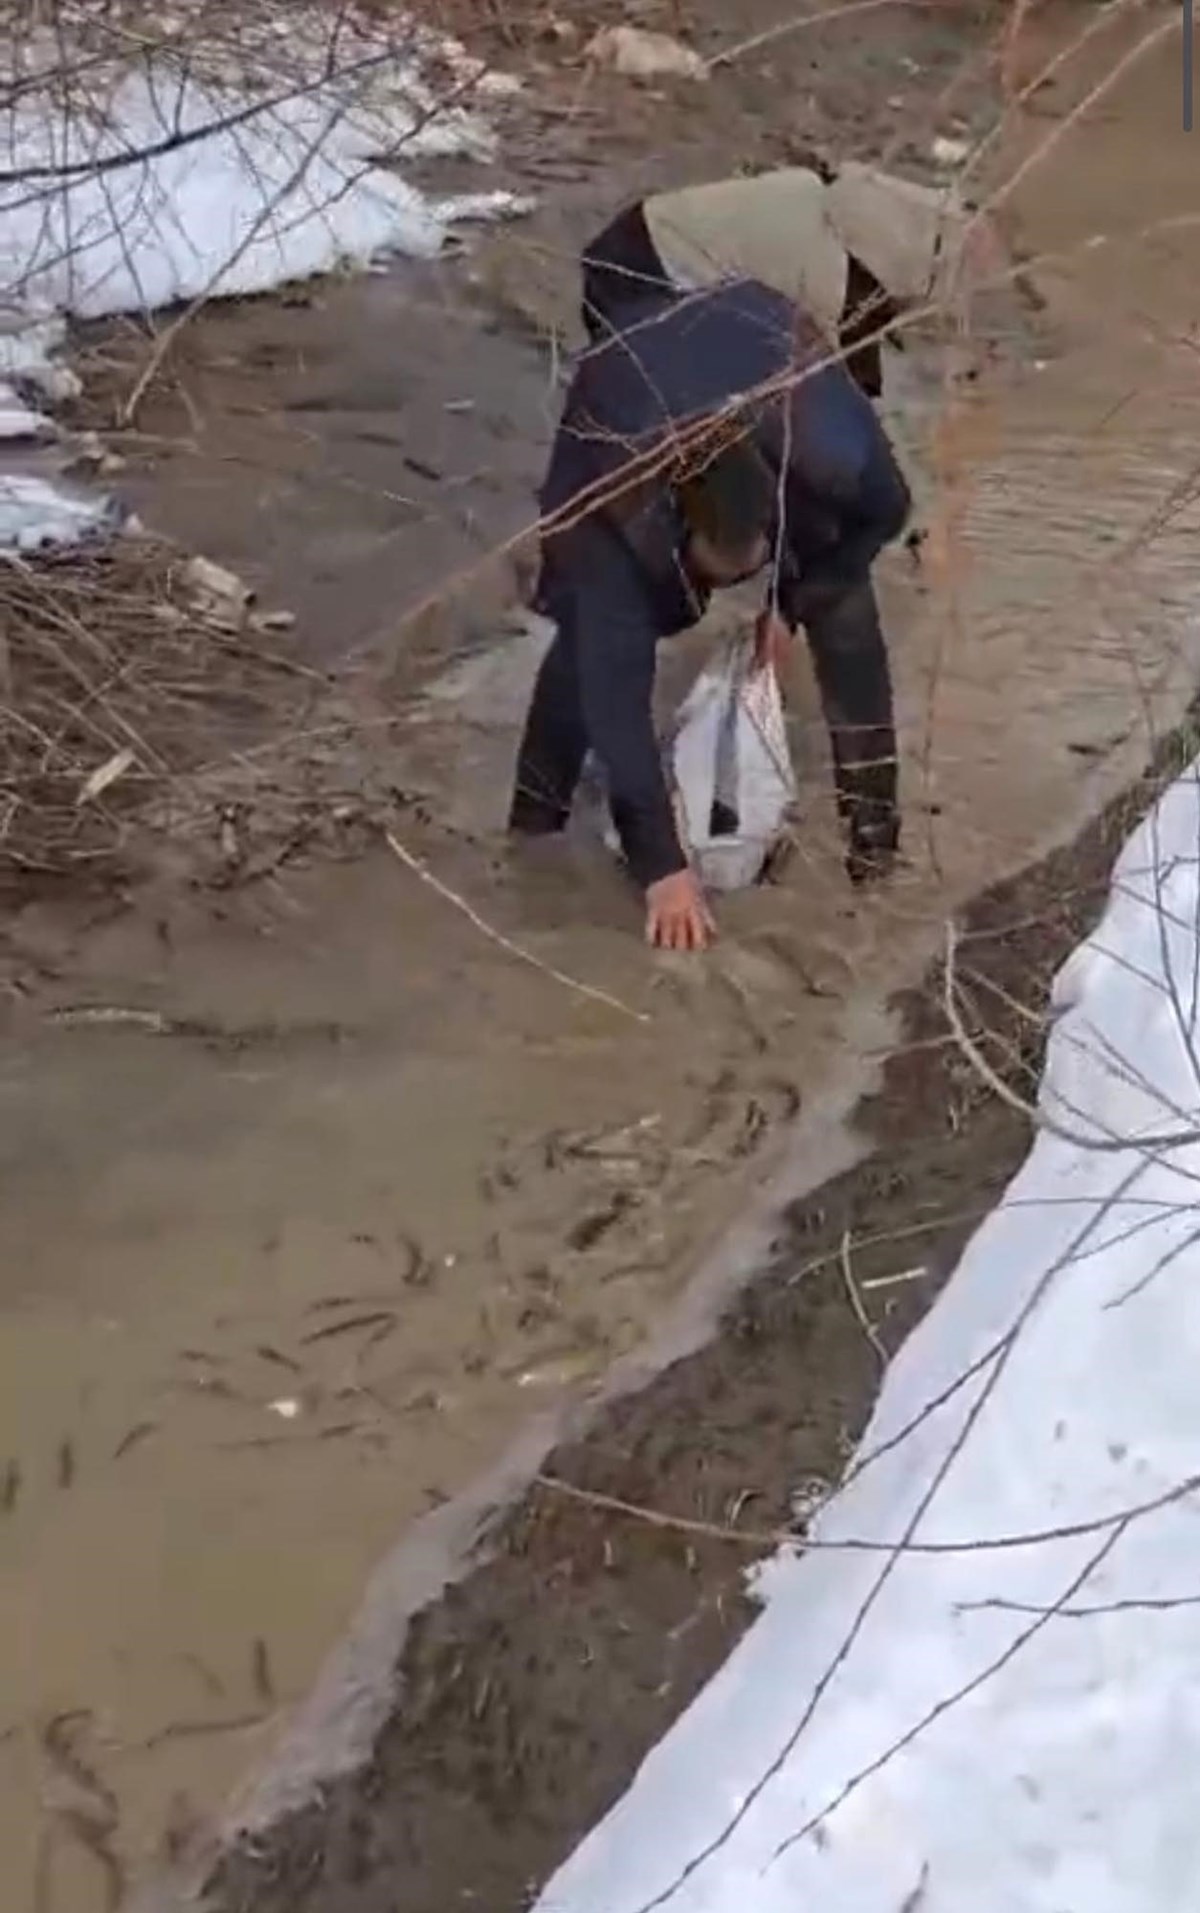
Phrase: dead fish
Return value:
(260, 1672)
(82, 1014)
(66, 1465)
(590, 1229)
(371, 1320)
(197, 1729)
(373, 1340)
(558, 1372)
(326, 1304)
(137, 1433)
(418, 1269)
(610, 1144)
(266, 1352)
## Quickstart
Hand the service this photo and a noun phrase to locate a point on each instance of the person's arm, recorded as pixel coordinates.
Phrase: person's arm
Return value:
(604, 616)
(844, 494)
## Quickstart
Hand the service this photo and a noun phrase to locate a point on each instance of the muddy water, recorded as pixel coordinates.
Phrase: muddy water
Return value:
(293, 1247)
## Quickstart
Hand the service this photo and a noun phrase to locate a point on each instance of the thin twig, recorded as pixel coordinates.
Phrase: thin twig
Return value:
(790, 1538)
(858, 1305)
(916, 1274)
(497, 937)
(198, 1729)
(1132, 1604)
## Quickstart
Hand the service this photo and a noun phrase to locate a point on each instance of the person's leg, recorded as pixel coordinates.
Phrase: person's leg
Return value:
(552, 750)
(620, 266)
(851, 663)
(866, 312)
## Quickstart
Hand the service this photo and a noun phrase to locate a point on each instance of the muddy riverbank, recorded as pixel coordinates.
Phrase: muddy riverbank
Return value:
(526, 1698)
(350, 1191)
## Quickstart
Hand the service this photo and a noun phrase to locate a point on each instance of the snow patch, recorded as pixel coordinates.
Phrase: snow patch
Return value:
(1006, 1728)
(17, 420)
(29, 349)
(28, 364)
(38, 515)
(297, 189)
(214, 171)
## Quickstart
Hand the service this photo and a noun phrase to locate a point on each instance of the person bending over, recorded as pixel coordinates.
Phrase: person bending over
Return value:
(695, 449)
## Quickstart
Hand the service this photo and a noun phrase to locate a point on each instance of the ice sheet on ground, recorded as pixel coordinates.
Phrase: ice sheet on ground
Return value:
(28, 365)
(1012, 1729)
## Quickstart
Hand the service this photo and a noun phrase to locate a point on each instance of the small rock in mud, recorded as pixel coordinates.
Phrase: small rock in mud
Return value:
(640, 55)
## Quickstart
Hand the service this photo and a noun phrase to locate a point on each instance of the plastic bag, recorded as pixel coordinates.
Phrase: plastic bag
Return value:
(731, 767)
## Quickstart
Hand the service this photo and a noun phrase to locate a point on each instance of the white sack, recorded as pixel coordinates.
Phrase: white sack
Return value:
(730, 745)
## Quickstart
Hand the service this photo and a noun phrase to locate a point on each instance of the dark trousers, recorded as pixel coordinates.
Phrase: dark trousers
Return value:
(867, 310)
(620, 267)
(553, 746)
(850, 660)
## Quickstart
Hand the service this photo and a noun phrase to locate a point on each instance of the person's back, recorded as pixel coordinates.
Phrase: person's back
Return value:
(771, 227)
(642, 405)
(853, 245)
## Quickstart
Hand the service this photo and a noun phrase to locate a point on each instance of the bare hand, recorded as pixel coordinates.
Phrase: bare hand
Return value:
(677, 917)
(772, 641)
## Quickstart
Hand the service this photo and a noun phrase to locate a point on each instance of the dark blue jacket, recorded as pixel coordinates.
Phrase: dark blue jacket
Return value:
(612, 541)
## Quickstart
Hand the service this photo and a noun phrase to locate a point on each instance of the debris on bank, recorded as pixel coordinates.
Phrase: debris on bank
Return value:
(138, 685)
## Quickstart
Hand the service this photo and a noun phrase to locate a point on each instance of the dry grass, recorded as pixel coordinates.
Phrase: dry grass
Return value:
(117, 687)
